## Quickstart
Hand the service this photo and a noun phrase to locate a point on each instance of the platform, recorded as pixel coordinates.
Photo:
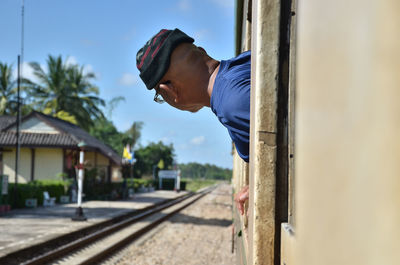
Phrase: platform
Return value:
(22, 228)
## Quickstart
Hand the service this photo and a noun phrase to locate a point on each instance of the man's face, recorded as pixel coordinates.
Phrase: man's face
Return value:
(182, 84)
(168, 92)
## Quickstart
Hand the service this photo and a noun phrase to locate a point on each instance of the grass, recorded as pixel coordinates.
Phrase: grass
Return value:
(196, 184)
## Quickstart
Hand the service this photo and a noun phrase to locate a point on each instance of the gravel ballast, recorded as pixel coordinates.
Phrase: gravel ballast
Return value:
(200, 234)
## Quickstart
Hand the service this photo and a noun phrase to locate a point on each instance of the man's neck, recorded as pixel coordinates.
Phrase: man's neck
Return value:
(213, 67)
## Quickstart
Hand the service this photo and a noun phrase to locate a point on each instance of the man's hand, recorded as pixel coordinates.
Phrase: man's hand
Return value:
(241, 197)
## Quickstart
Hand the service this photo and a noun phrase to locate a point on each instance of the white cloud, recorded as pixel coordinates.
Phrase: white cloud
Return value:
(87, 68)
(27, 72)
(184, 5)
(198, 140)
(127, 79)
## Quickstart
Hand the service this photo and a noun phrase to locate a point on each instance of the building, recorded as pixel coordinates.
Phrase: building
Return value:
(49, 148)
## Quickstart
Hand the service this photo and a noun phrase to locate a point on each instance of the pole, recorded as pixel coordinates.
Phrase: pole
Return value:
(17, 144)
(79, 215)
(80, 177)
(178, 180)
(22, 32)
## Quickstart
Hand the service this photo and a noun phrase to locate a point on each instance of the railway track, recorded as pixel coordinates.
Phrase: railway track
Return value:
(106, 241)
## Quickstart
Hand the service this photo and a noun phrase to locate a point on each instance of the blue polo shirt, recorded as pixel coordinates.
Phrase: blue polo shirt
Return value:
(230, 100)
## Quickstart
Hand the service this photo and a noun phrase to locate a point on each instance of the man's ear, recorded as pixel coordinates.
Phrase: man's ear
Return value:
(169, 90)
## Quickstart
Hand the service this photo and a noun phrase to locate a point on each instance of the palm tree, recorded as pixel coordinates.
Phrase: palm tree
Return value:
(83, 103)
(8, 92)
(66, 92)
(132, 135)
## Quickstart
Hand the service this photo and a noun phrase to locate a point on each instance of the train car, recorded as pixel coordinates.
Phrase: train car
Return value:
(324, 170)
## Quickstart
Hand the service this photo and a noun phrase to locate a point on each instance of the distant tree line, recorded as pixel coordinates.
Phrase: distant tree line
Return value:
(204, 171)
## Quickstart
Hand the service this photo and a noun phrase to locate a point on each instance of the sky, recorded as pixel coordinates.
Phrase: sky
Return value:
(104, 36)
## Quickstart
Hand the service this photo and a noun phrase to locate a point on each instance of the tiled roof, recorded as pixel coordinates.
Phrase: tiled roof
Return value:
(37, 139)
(6, 120)
(70, 135)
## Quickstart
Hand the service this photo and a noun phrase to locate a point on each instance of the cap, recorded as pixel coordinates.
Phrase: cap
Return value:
(154, 58)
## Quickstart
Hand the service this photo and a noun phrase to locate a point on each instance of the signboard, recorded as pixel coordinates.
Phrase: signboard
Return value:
(168, 174)
(4, 184)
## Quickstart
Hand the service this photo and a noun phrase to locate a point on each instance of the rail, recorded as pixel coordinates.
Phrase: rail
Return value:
(79, 251)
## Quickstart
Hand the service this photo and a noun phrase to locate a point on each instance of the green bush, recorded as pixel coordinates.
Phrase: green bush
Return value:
(34, 190)
(114, 190)
(137, 183)
(169, 184)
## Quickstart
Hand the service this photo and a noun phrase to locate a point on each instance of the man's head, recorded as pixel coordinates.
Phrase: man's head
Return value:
(176, 69)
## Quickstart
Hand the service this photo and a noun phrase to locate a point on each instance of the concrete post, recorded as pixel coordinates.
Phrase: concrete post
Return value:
(263, 132)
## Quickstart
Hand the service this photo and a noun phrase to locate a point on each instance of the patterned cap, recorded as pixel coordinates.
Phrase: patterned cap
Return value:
(154, 58)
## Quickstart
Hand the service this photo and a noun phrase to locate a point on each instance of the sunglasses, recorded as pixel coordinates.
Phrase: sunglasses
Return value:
(158, 98)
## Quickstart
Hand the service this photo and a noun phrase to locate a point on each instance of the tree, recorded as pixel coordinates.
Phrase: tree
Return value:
(206, 171)
(84, 103)
(149, 156)
(8, 92)
(65, 91)
(105, 131)
(112, 104)
(132, 135)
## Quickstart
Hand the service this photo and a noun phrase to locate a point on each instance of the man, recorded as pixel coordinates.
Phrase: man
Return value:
(186, 77)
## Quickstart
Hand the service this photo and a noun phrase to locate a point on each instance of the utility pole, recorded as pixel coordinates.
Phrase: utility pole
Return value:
(17, 144)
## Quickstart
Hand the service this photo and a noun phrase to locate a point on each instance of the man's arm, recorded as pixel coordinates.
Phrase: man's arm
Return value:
(241, 197)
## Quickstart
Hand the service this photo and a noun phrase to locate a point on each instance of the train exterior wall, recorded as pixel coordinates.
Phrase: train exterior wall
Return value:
(343, 134)
(347, 134)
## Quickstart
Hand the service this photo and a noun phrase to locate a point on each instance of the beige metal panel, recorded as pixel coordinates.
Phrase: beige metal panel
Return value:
(24, 174)
(9, 165)
(265, 47)
(48, 163)
(102, 160)
(288, 242)
(347, 133)
(91, 159)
